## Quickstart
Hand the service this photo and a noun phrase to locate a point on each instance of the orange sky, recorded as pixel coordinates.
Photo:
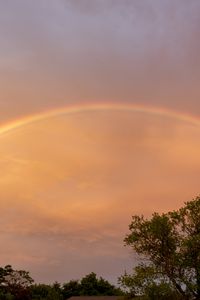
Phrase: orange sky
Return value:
(71, 182)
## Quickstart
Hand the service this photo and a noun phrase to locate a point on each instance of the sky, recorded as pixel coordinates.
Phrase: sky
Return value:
(101, 98)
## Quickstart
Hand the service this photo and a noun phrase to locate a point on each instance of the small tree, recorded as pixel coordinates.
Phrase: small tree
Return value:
(170, 246)
(90, 285)
(71, 288)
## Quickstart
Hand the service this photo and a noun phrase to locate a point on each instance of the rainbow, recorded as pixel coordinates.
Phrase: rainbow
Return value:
(77, 108)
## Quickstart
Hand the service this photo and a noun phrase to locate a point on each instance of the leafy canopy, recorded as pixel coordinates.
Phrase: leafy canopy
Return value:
(169, 245)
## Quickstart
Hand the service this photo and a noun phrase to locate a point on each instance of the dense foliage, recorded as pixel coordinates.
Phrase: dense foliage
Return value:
(18, 285)
(90, 285)
(169, 245)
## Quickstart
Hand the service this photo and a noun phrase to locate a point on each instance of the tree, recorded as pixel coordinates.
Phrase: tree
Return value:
(71, 288)
(169, 245)
(14, 284)
(148, 283)
(90, 285)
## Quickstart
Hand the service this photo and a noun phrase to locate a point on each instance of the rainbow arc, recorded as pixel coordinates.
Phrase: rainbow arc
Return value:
(77, 108)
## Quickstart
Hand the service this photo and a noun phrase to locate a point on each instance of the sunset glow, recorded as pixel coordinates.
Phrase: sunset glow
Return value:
(77, 176)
